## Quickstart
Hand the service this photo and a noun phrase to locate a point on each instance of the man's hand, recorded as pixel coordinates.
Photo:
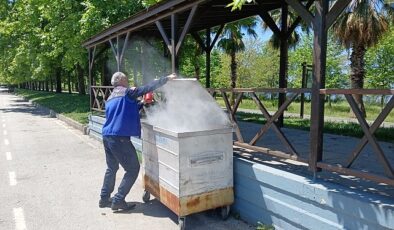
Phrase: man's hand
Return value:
(172, 76)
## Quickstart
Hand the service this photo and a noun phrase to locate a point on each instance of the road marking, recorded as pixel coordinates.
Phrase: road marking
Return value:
(6, 142)
(19, 218)
(3, 125)
(4, 132)
(12, 178)
(2, 120)
(8, 156)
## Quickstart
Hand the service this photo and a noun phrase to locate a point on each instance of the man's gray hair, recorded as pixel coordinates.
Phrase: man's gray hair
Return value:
(117, 77)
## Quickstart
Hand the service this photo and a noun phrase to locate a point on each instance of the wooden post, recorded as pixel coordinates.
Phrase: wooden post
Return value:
(91, 82)
(303, 85)
(283, 59)
(174, 41)
(322, 20)
(319, 75)
(208, 58)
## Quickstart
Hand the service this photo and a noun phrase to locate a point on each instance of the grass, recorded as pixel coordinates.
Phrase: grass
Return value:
(339, 128)
(339, 109)
(74, 106)
(261, 226)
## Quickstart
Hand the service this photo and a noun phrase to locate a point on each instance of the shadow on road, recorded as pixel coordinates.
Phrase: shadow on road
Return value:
(194, 221)
(153, 208)
(23, 106)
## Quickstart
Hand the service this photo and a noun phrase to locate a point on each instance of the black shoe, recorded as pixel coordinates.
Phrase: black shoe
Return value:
(123, 205)
(105, 202)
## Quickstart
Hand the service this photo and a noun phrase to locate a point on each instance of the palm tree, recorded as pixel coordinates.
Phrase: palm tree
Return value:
(294, 38)
(360, 27)
(231, 42)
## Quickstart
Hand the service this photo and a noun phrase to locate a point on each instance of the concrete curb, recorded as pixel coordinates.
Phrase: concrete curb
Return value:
(52, 113)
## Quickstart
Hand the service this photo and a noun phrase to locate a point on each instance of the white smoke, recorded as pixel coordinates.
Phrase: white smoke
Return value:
(186, 107)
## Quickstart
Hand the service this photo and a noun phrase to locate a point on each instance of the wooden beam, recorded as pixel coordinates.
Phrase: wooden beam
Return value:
(113, 50)
(319, 75)
(92, 57)
(266, 17)
(208, 58)
(298, 19)
(238, 133)
(118, 53)
(358, 91)
(164, 35)
(269, 151)
(147, 18)
(124, 47)
(379, 120)
(174, 41)
(186, 28)
(265, 90)
(267, 125)
(198, 39)
(216, 37)
(335, 11)
(90, 61)
(236, 104)
(364, 175)
(301, 10)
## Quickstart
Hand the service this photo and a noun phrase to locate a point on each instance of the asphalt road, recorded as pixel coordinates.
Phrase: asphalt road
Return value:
(51, 174)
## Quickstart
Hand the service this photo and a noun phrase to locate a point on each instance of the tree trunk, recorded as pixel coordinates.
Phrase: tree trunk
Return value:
(197, 69)
(58, 80)
(69, 82)
(233, 67)
(47, 85)
(81, 81)
(382, 102)
(51, 83)
(357, 74)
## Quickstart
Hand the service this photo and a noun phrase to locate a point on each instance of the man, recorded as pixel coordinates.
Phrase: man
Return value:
(122, 122)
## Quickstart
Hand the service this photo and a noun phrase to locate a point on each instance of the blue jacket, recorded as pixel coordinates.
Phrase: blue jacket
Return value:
(122, 109)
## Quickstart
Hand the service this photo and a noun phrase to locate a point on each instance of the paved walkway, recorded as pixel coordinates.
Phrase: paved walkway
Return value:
(51, 174)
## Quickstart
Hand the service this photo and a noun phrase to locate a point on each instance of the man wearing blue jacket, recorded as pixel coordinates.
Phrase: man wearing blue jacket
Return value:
(122, 122)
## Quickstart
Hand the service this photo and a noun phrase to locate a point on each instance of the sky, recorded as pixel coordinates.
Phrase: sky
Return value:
(261, 34)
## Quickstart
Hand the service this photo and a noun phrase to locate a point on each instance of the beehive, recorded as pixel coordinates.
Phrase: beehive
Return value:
(188, 172)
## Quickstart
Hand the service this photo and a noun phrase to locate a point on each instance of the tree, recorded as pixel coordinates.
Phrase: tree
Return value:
(379, 64)
(360, 27)
(258, 65)
(237, 4)
(231, 42)
(336, 69)
(41, 39)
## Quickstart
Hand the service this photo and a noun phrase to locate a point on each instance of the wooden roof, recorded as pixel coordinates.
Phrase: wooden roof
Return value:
(210, 13)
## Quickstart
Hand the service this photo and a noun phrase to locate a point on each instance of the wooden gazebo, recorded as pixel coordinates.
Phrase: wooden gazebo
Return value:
(172, 20)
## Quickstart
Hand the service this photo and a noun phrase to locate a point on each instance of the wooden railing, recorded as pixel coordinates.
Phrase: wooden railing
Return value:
(270, 119)
(367, 138)
(99, 96)
(101, 93)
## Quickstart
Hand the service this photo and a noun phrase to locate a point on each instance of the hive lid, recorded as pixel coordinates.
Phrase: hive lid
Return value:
(223, 130)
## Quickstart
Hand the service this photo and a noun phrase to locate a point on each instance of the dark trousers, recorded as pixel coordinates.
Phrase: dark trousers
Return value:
(119, 150)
